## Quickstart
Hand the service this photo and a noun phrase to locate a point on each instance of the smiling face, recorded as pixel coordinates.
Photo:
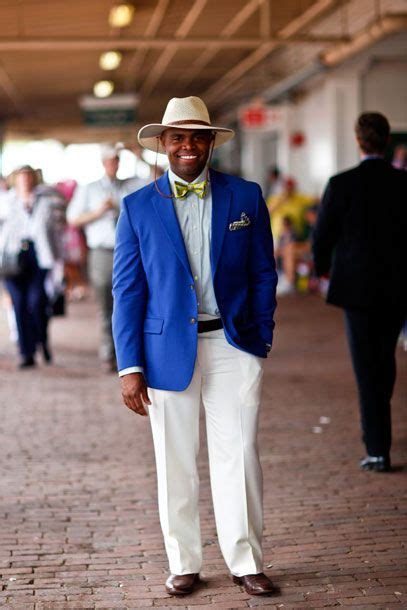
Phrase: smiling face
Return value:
(187, 151)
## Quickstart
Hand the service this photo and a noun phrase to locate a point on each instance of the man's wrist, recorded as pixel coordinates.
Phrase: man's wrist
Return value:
(131, 369)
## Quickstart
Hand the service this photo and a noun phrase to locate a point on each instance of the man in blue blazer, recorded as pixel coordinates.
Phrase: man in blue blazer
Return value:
(194, 296)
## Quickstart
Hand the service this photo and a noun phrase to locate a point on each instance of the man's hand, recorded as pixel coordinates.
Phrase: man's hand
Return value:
(88, 217)
(106, 206)
(134, 392)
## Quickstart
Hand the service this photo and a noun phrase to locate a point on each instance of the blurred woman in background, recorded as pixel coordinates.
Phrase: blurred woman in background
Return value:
(32, 228)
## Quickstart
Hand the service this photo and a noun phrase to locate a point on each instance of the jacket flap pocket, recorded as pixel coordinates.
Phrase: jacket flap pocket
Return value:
(153, 326)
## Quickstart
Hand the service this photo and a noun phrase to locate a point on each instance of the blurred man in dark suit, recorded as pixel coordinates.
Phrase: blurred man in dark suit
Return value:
(360, 240)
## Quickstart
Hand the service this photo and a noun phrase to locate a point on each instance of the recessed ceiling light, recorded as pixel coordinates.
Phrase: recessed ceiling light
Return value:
(103, 88)
(110, 60)
(121, 15)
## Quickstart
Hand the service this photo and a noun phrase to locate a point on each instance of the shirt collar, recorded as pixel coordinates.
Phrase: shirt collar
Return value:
(173, 177)
(107, 182)
(30, 204)
(366, 157)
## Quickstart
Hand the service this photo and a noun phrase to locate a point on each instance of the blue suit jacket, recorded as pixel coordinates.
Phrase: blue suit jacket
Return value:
(152, 280)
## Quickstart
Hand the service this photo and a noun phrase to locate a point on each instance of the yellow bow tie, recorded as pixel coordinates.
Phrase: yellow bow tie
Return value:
(182, 190)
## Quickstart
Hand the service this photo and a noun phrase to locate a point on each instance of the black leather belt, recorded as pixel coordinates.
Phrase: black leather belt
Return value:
(205, 326)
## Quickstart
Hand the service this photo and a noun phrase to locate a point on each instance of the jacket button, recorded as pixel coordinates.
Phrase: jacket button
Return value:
(192, 320)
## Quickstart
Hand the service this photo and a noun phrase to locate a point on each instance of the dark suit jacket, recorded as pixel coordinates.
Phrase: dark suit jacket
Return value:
(360, 236)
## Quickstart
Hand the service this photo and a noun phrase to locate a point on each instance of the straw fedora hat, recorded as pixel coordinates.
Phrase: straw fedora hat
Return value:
(182, 113)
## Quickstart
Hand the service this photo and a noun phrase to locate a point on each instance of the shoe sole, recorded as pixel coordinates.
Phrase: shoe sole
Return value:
(179, 593)
(238, 581)
(375, 469)
(185, 591)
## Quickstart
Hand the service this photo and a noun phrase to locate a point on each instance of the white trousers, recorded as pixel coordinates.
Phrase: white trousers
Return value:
(228, 383)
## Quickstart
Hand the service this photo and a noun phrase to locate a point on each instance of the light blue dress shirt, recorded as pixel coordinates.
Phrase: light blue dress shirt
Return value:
(195, 220)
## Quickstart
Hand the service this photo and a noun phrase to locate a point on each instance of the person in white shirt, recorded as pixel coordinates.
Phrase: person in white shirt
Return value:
(96, 207)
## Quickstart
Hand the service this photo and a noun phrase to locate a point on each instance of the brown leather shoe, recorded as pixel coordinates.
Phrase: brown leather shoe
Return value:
(181, 584)
(255, 584)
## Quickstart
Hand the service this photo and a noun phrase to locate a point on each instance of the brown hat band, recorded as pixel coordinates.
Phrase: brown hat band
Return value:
(193, 121)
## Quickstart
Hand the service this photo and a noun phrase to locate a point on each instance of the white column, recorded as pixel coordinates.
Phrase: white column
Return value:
(252, 156)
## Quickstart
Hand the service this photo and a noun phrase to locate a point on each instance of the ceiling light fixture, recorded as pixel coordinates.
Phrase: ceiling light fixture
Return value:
(103, 88)
(110, 60)
(121, 15)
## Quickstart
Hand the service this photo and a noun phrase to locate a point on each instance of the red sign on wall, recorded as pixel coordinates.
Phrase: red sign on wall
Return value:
(259, 117)
(253, 116)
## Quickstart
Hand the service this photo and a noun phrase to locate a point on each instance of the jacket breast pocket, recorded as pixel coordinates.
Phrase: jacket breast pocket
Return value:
(154, 326)
(239, 238)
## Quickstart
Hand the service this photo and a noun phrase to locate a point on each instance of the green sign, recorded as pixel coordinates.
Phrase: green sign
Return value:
(109, 117)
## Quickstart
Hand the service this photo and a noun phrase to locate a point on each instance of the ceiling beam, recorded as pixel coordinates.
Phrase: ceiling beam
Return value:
(316, 11)
(265, 19)
(190, 19)
(210, 52)
(70, 130)
(151, 31)
(103, 44)
(373, 32)
(158, 70)
(307, 18)
(169, 52)
(156, 18)
(241, 17)
(10, 89)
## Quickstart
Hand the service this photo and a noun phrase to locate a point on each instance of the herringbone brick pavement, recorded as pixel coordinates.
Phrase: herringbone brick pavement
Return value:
(78, 518)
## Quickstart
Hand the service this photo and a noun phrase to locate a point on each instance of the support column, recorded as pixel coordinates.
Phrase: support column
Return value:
(252, 156)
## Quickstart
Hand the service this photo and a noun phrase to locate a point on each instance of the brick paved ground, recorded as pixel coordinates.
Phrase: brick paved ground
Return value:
(79, 526)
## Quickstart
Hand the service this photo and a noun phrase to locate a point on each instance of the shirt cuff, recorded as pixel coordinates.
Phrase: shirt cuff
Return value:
(131, 369)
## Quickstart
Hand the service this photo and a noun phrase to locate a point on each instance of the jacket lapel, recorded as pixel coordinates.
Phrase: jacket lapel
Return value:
(166, 212)
(221, 199)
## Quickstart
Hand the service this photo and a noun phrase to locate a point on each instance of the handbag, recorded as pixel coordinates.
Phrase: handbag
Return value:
(13, 263)
(58, 305)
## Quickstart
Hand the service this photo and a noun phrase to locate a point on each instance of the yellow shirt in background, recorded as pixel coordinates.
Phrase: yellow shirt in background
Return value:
(293, 207)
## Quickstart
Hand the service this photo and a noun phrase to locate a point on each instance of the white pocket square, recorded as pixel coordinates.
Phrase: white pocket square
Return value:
(240, 224)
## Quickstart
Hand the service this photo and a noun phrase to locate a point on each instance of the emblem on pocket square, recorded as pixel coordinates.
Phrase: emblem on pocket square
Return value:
(240, 224)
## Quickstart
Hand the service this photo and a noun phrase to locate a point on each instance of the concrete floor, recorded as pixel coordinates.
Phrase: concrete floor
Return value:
(78, 518)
